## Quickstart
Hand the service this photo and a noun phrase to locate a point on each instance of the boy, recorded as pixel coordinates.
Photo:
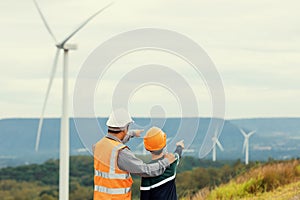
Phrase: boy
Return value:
(160, 187)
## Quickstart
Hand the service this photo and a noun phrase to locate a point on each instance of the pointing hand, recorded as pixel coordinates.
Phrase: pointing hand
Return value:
(180, 143)
(137, 133)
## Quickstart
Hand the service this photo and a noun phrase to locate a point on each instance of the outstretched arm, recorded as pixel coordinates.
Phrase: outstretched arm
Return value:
(178, 151)
(128, 162)
(131, 134)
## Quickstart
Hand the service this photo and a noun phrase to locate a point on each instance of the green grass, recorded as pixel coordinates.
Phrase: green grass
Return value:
(287, 192)
(235, 190)
(279, 180)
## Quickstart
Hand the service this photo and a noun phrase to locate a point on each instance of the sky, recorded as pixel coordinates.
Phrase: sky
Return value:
(254, 44)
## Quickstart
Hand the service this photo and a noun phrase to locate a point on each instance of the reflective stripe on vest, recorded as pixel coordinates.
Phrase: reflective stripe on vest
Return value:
(111, 175)
(113, 157)
(158, 184)
(112, 190)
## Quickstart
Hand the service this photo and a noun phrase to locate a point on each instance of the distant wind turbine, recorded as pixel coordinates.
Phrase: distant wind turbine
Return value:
(64, 130)
(246, 144)
(216, 143)
(142, 147)
(168, 141)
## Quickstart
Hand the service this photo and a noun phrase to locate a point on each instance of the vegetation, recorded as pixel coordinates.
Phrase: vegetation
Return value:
(196, 179)
(40, 182)
(265, 181)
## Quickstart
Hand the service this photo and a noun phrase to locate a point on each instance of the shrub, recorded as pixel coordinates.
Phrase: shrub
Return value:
(254, 186)
(273, 175)
(202, 194)
(231, 190)
(297, 170)
(262, 178)
(235, 190)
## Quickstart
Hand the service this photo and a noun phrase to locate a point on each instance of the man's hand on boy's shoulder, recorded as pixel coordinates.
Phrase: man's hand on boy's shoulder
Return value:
(180, 143)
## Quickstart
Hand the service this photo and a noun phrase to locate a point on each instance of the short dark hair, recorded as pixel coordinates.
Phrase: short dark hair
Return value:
(114, 132)
(117, 130)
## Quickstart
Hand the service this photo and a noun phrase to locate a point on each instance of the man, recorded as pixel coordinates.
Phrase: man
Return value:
(113, 160)
(161, 187)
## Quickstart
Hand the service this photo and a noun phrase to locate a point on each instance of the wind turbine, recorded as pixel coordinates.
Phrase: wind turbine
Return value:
(141, 146)
(216, 143)
(168, 140)
(64, 129)
(246, 144)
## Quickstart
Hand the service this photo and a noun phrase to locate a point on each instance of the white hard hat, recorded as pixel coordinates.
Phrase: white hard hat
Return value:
(119, 118)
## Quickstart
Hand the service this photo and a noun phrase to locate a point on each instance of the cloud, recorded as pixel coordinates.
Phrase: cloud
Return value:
(241, 101)
(254, 44)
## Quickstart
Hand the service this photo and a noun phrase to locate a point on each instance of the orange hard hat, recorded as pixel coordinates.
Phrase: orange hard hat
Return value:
(155, 139)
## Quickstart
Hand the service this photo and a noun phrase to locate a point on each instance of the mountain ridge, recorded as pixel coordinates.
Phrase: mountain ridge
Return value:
(278, 138)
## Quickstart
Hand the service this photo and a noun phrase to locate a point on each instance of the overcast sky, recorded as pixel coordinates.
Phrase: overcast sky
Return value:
(255, 45)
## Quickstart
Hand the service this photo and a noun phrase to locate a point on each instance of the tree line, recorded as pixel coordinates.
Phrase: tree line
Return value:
(40, 181)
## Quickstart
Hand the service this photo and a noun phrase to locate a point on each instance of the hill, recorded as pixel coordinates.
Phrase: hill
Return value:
(278, 180)
(275, 137)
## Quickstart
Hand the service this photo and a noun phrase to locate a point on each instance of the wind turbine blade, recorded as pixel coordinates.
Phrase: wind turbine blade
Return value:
(37, 143)
(214, 139)
(243, 132)
(138, 146)
(168, 139)
(219, 145)
(84, 23)
(251, 133)
(44, 20)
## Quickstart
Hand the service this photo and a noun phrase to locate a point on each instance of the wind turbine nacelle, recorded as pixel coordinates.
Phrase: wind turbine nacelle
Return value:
(70, 46)
(67, 46)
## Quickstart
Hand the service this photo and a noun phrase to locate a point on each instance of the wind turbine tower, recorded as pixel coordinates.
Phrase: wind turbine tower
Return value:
(64, 129)
(216, 143)
(246, 144)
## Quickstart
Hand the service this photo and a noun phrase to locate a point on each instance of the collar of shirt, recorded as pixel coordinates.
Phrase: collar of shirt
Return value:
(110, 136)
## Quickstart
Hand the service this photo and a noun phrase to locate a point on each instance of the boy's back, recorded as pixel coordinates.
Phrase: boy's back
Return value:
(161, 187)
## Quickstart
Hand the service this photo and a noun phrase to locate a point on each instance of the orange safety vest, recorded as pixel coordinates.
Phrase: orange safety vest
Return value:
(110, 182)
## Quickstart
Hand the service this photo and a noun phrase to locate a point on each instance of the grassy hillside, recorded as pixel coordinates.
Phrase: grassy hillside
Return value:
(277, 180)
(290, 191)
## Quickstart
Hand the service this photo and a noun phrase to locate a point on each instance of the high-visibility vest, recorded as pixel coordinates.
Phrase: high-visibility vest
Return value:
(110, 182)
